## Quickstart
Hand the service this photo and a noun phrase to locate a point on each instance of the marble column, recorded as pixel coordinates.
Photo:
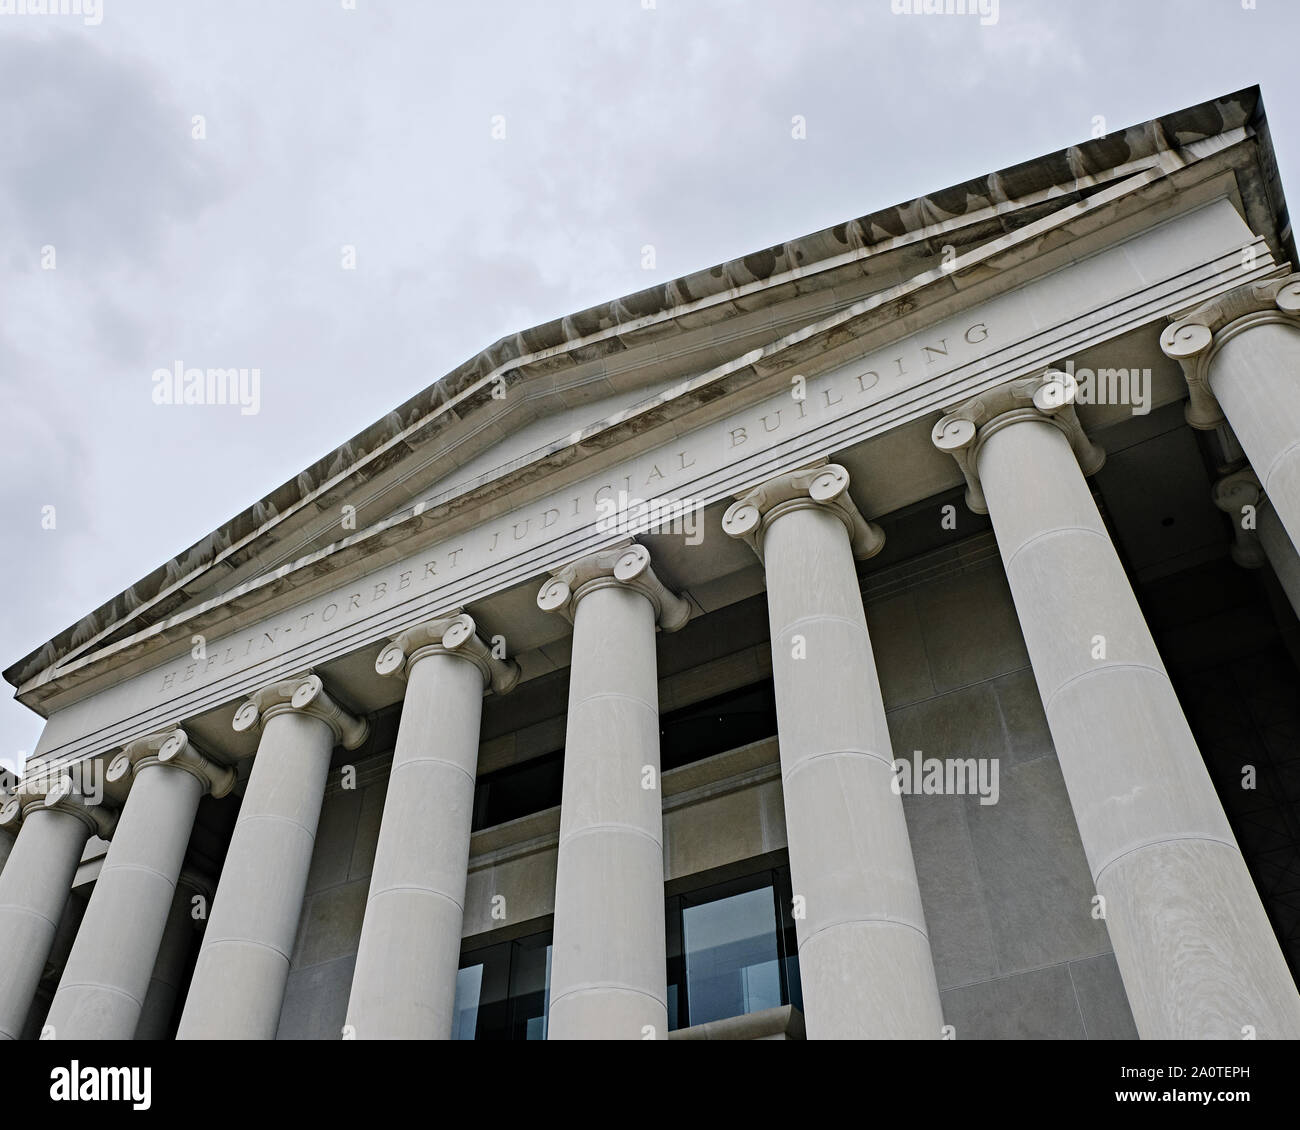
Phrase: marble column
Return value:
(54, 824)
(1240, 353)
(1258, 531)
(608, 963)
(184, 920)
(107, 973)
(1197, 955)
(404, 986)
(238, 983)
(864, 952)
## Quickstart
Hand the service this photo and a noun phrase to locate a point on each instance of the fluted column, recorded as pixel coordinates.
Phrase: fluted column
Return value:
(107, 974)
(238, 983)
(608, 962)
(1259, 535)
(864, 952)
(54, 825)
(1195, 949)
(1240, 353)
(404, 986)
(173, 953)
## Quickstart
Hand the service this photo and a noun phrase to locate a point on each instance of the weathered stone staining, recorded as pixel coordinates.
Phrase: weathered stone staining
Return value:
(609, 545)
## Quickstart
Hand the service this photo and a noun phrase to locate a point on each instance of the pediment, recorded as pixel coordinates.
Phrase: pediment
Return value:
(559, 399)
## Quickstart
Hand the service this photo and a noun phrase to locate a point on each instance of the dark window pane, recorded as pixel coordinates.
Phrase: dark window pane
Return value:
(530, 987)
(482, 1006)
(716, 725)
(519, 790)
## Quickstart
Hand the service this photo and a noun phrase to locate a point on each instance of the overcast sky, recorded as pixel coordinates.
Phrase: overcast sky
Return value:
(370, 123)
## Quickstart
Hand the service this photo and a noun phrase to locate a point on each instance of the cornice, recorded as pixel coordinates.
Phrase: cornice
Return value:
(304, 694)
(626, 565)
(1048, 398)
(1194, 338)
(703, 298)
(821, 485)
(454, 634)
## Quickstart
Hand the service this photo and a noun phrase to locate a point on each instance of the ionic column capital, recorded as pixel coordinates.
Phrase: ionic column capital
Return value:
(172, 747)
(626, 565)
(823, 486)
(304, 694)
(58, 794)
(1046, 399)
(454, 634)
(1233, 494)
(1192, 339)
(11, 812)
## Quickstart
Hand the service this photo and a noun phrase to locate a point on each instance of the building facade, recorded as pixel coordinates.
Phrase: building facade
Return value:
(889, 634)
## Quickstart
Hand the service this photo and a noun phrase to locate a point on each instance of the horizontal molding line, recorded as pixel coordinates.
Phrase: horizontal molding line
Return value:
(721, 483)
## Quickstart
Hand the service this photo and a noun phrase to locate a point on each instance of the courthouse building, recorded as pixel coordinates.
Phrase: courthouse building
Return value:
(890, 633)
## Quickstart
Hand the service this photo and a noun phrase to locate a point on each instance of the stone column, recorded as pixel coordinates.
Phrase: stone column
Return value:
(55, 824)
(864, 952)
(404, 986)
(608, 962)
(6, 834)
(1258, 531)
(107, 974)
(183, 922)
(1240, 353)
(238, 983)
(1195, 949)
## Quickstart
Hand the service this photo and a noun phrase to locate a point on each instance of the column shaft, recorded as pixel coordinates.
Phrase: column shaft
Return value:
(609, 966)
(1195, 949)
(107, 975)
(864, 953)
(1255, 376)
(238, 983)
(33, 890)
(1280, 552)
(405, 981)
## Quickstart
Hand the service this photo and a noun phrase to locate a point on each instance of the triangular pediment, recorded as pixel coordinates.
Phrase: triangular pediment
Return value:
(576, 391)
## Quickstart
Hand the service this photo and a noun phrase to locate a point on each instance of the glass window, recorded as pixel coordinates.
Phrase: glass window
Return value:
(733, 963)
(732, 950)
(503, 991)
(469, 988)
